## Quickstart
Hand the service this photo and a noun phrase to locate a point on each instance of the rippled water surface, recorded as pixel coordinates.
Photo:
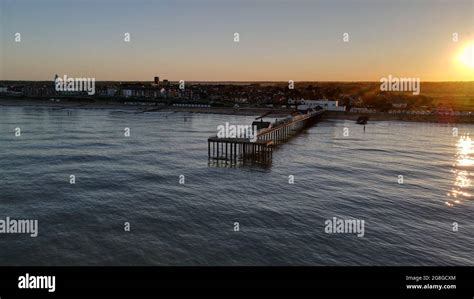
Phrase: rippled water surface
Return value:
(136, 180)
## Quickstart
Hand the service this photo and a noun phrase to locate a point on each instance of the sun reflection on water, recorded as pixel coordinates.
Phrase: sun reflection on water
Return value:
(462, 170)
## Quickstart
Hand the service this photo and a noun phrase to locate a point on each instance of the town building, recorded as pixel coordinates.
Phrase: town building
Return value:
(325, 104)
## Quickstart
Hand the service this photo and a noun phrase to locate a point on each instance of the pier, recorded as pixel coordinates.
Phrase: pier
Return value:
(260, 151)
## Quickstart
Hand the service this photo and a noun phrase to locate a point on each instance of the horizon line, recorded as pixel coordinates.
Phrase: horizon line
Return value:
(250, 81)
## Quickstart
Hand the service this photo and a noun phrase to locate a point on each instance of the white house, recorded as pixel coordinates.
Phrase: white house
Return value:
(324, 103)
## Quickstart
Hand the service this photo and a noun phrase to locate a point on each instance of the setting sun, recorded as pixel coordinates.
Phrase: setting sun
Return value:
(467, 56)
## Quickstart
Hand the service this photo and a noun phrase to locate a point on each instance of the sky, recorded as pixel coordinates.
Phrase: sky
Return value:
(193, 40)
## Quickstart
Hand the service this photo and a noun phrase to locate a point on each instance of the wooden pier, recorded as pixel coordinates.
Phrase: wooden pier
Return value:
(260, 151)
(235, 150)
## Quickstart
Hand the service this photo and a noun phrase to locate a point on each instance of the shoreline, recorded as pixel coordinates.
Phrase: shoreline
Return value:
(75, 104)
(247, 111)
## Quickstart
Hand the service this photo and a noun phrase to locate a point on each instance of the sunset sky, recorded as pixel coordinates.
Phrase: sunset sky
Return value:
(279, 40)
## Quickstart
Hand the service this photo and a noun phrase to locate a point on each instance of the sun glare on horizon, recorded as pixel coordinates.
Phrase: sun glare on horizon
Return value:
(466, 57)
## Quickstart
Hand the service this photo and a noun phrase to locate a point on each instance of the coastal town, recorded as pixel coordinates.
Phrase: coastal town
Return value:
(340, 99)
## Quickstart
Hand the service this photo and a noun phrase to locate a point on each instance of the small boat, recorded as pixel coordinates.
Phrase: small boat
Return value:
(362, 120)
